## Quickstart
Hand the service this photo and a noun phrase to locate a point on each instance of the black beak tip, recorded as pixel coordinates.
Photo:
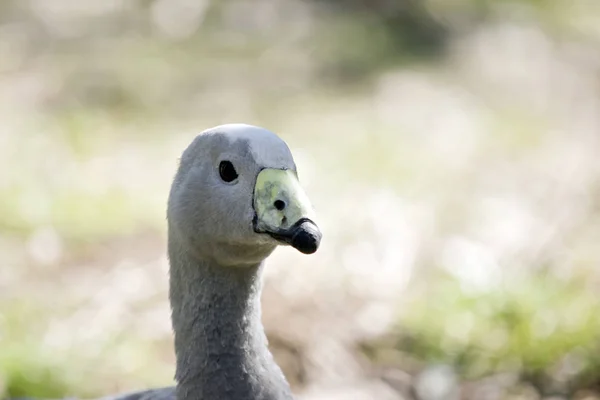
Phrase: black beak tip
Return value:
(307, 238)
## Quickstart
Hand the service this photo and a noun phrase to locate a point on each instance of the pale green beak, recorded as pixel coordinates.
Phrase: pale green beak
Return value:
(283, 210)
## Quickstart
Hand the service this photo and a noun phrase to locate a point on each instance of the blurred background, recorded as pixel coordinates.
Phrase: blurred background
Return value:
(450, 148)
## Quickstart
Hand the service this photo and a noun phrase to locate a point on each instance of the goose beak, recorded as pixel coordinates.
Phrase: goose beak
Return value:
(283, 210)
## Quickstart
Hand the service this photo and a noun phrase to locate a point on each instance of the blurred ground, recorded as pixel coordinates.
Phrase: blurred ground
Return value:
(450, 149)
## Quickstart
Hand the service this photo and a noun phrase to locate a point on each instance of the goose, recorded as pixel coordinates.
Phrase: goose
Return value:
(235, 197)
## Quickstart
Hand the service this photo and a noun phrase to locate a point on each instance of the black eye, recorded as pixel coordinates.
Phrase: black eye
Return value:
(227, 171)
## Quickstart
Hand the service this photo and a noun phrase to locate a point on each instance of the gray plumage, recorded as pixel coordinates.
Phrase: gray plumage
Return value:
(216, 258)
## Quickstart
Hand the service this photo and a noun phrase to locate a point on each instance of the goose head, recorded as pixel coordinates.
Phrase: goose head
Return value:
(236, 197)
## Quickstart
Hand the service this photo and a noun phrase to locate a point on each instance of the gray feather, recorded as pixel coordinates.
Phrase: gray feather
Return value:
(216, 260)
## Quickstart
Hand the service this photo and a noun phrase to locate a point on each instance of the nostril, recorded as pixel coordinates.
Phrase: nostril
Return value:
(279, 204)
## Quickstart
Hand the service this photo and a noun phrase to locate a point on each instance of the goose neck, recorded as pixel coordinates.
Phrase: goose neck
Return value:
(220, 344)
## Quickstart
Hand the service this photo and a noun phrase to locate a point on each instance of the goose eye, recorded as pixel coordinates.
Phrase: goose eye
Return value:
(227, 171)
